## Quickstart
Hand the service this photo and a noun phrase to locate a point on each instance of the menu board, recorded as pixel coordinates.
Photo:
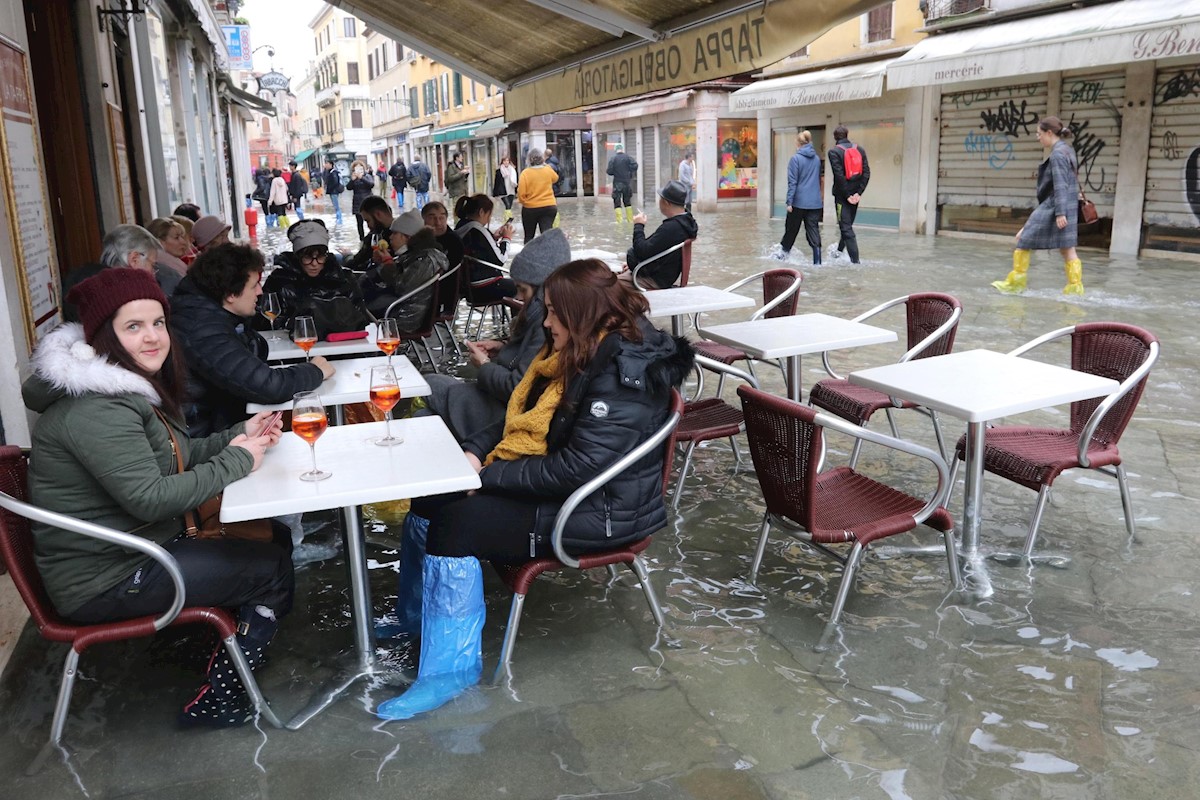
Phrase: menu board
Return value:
(25, 193)
(121, 164)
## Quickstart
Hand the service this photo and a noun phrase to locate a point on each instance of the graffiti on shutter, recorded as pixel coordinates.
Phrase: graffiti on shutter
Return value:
(1091, 107)
(989, 152)
(1173, 169)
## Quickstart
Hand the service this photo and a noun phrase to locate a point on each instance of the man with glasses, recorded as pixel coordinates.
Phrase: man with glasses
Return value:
(130, 246)
(308, 276)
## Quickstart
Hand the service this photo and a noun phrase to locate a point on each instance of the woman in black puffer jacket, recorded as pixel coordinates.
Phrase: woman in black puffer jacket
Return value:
(599, 388)
(309, 272)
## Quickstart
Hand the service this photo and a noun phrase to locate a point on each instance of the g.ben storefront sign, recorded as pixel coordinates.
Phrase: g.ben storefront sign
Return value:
(738, 43)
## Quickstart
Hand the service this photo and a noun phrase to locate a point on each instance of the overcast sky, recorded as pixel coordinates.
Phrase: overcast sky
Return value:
(283, 24)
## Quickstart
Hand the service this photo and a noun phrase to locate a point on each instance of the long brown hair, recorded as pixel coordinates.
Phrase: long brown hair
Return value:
(589, 300)
(170, 382)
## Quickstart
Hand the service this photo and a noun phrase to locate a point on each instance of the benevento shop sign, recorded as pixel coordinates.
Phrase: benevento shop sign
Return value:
(734, 44)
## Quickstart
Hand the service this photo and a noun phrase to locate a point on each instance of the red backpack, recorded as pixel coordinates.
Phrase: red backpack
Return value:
(851, 161)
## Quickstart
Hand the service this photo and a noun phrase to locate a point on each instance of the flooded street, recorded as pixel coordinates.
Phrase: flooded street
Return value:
(1072, 680)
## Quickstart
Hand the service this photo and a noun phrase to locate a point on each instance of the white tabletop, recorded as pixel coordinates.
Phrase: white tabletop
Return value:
(980, 385)
(281, 348)
(780, 337)
(615, 261)
(429, 462)
(693, 299)
(351, 383)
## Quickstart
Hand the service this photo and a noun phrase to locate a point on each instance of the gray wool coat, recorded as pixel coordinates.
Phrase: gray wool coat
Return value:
(468, 408)
(1058, 195)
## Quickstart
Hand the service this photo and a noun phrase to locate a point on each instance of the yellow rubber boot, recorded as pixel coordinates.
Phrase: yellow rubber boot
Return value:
(1074, 269)
(629, 213)
(1015, 282)
(508, 214)
(619, 214)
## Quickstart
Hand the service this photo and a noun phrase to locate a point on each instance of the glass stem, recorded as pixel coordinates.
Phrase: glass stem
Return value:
(312, 447)
(387, 424)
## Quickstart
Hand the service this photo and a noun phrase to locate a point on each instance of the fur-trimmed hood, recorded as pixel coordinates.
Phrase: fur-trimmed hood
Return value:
(64, 365)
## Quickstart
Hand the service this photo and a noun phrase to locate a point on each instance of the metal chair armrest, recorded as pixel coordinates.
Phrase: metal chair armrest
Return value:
(651, 260)
(415, 291)
(782, 297)
(1041, 340)
(728, 369)
(619, 466)
(925, 343)
(938, 498)
(1106, 405)
(860, 318)
(126, 540)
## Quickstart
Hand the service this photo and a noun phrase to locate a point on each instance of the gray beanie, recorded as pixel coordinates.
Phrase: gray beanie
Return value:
(540, 257)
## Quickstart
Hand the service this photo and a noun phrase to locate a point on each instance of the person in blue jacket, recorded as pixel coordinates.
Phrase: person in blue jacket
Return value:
(804, 203)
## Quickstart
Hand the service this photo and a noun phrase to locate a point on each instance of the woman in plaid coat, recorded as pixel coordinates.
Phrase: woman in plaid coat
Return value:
(1052, 225)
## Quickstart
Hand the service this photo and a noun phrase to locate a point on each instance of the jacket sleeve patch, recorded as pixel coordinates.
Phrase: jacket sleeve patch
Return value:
(599, 409)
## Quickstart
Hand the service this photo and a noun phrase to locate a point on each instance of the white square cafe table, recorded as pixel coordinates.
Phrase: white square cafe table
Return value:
(793, 336)
(429, 462)
(978, 386)
(280, 346)
(351, 383)
(680, 301)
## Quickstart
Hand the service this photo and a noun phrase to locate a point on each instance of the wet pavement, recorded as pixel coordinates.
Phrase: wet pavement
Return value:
(1071, 681)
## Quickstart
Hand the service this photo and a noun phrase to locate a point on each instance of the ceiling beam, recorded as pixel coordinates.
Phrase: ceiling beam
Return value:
(611, 22)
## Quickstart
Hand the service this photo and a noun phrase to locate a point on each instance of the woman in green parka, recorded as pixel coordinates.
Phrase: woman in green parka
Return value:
(106, 391)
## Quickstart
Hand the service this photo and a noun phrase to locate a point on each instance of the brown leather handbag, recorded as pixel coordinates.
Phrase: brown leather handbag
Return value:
(205, 522)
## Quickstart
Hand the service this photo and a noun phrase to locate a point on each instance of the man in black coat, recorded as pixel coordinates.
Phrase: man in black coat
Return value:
(623, 170)
(226, 357)
(678, 226)
(399, 175)
(297, 189)
(848, 186)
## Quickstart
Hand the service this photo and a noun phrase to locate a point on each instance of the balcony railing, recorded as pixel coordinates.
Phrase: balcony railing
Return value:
(937, 9)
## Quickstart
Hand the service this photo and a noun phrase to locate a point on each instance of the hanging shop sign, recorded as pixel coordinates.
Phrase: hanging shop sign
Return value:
(274, 82)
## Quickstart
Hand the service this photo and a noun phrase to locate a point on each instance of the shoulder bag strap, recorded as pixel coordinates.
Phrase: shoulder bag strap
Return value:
(191, 524)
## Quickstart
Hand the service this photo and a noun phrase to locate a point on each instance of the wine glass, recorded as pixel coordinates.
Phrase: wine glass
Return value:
(309, 422)
(387, 337)
(385, 393)
(271, 308)
(304, 334)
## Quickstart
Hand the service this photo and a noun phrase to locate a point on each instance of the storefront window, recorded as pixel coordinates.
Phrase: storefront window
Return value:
(737, 158)
(589, 177)
(162, 85)
(608, 149)
(481, 176)
(678, 141)
(563, 145)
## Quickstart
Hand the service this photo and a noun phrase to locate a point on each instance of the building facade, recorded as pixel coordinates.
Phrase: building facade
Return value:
(342, 94)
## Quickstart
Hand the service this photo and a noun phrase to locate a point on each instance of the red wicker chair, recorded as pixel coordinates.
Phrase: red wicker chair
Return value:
(1034, 457)
(16, 548)
(839, 506)
(520, 578)
(498, 308)
(781, 295)
(417, 338)
(931, 323)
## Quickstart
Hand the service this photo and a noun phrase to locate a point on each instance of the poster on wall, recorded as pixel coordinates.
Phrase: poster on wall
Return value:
(737, 158)
(28, 216)
(120, 154)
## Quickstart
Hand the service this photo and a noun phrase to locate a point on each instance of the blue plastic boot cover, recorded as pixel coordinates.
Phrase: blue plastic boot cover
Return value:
(412, 581)
(451, 628)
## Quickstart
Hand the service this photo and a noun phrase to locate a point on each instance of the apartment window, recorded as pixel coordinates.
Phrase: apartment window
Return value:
(348, 27)
(458, 93)
(383, 54)
(399, 52)
(879, 24)
(445, 90)
(352, 72)
(266, 125)
(317, 44)
(356, 118)
(370, 66)
(412, 102)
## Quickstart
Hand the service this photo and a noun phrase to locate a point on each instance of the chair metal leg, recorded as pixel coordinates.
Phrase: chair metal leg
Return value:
(1126, 500)
(761, 550)
(737, 453)
(847, 581)
(510, 633)
(892, 422)
(937, 434)
(643, 574)
(952, 558)
(855, 451)
(683, 471)
(70, 670)
(720, 385)
(1036, 520)
(249, 683)
(613, 575)
(467, 324)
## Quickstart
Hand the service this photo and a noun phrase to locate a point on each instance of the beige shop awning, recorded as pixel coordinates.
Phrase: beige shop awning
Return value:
(641, 108)
(1114, 33)
(852, 82)
(551, 55)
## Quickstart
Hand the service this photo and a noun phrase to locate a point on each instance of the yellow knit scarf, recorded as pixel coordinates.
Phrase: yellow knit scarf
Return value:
(525, 431)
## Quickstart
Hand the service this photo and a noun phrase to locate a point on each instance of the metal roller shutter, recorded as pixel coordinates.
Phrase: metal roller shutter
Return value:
(989, 152)
(1091, 107)
(1173, 170)
(648, 168)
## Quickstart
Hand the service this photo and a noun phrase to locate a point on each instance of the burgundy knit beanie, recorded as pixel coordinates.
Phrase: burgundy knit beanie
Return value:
(103, 294)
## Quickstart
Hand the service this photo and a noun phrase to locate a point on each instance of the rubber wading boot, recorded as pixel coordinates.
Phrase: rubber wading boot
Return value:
(629, 213)
(1074, 269)
(508, 215)
(1015, 282)
(619, 213)
(451, 627)
(412, 580)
